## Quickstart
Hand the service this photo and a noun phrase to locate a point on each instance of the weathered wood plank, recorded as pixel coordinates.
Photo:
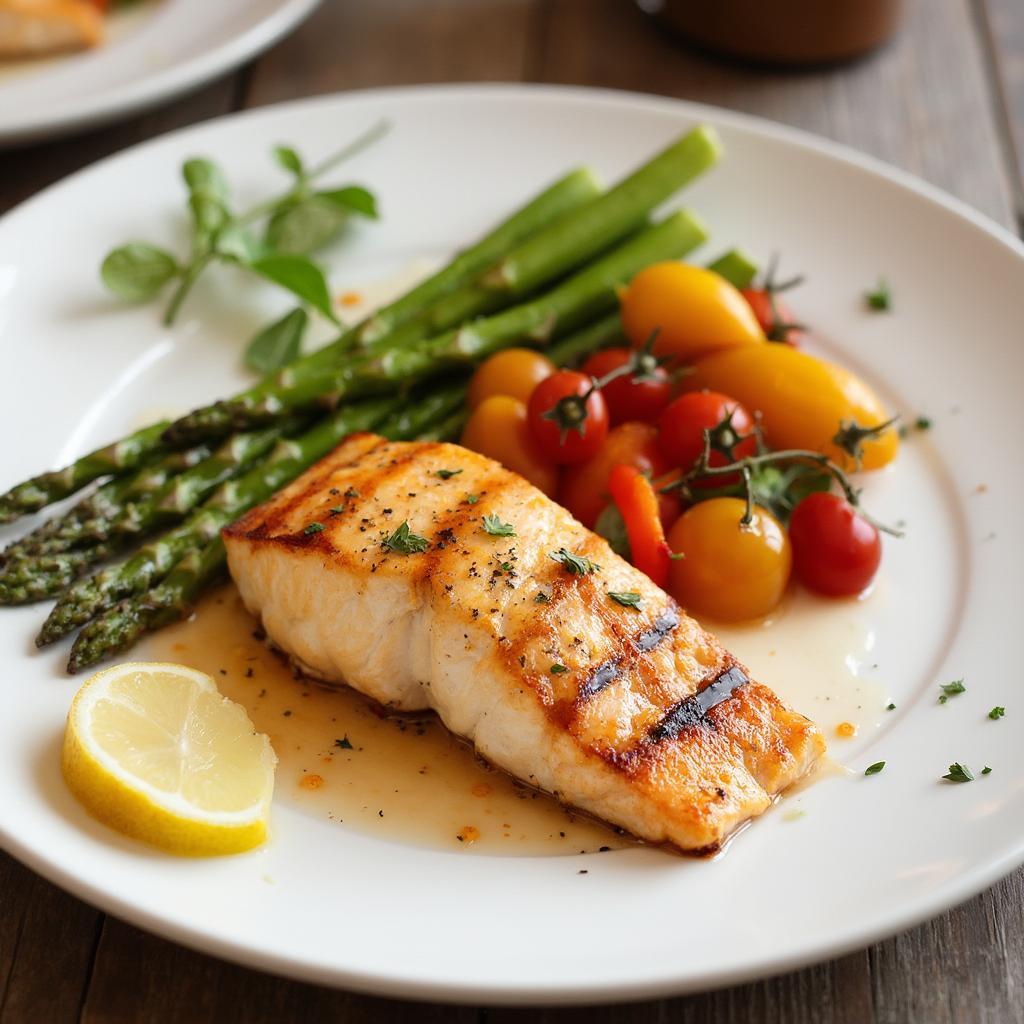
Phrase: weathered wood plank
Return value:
(396, 42)
(138, 977)
(1002, 26)
(921, 103)
(52, 955)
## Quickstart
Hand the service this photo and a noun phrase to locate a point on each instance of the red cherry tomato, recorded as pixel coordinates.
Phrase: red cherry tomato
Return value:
(581, 424)
(682, 425)
(777, 322)
(836, 551)
(630, 399)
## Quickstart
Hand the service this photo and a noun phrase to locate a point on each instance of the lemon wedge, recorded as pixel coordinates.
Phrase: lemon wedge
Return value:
(154, 751)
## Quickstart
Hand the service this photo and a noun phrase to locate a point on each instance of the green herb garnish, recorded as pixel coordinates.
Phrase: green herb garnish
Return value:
(447, 474)
(313, 528)
(343, 743)
(557, 669)
(880, 299)
(351, 493)
(627, 598)
(874, 769)
(472, 499)
(959, 773)
(996, 713)
(496, 528)
(578, 565)
(951, 690)
(890, 707)
(986, 770)
(405, 542)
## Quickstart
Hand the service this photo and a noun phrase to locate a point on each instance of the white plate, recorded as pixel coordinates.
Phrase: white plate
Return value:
(869, 856)
(154, 50)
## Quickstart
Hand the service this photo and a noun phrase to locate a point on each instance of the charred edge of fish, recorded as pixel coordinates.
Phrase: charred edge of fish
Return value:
(608, 671)
(693, 710)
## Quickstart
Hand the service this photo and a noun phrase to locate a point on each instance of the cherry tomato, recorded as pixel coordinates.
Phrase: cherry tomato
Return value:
(583, 426)
(728, 571)
(802, 399)
(513, 371)
(682, 425)
(584, 487)
(498, 428)
(777, 321)
(637, 502)
(629, 398)
(836, 551)
(694, 310)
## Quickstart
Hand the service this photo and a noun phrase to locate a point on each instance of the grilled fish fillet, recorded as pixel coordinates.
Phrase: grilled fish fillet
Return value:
(635, 715)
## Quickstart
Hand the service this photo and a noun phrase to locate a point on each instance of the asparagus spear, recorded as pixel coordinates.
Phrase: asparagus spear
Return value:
(122, 625)
(128, 453)
(50, 575)
(64, 532)
(588, 293)
(566, 243)
(152, 562)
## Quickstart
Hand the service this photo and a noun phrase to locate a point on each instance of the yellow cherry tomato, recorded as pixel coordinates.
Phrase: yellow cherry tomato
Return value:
(498, 428)
(802, 399)
(694, 310)
(513, 371)
(728, 571)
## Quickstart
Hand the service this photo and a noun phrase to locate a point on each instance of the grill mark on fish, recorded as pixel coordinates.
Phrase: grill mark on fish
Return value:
(643, 643)
(693, 710)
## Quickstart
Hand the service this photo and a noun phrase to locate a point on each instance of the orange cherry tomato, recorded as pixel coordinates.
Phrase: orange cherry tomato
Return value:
(584, 488)
(637, 502)
(728, 571)
(513, 371)
(802, 399)
(497, 428)
(695, 311)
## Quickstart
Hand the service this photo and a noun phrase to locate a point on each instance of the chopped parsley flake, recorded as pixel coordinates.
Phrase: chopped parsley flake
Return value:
(874, 769)
(986, 770)
(951, 690)
(472, 499)
(351, 493)
(313, 528)
(496, 528)
(890, 707)
(959, 773)
(627, 598)
(578, 565)
(557, 669)
(880, 299)
(343, 743)
(447, 474)
(996, 713)
(405, 542)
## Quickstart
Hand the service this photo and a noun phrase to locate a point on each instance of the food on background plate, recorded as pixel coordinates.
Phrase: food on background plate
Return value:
(559, 661)
(37, 28)
(155, 752)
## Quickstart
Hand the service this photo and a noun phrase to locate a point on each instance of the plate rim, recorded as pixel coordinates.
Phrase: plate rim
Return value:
(181, 77)
(850, 938)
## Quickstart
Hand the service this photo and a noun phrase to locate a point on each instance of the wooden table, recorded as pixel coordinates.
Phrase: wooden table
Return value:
(945, 101)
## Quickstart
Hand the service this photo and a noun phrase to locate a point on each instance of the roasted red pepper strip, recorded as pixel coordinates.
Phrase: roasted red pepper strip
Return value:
(637, 502)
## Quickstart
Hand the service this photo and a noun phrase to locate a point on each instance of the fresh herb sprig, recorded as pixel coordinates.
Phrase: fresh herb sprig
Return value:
(777, 480)
(296, 223)
(578, 565)
(405, 542)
